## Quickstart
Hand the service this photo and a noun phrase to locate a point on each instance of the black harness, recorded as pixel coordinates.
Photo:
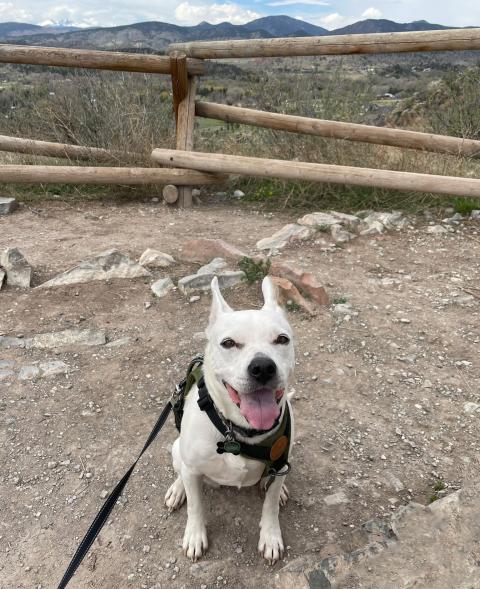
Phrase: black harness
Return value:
(273, 451)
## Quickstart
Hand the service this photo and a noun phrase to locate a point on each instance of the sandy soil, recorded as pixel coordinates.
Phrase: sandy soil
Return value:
(379, 403)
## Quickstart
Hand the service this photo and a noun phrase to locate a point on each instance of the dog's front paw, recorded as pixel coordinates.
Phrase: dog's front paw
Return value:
(175, 496)
(270, 544)
(195, 541)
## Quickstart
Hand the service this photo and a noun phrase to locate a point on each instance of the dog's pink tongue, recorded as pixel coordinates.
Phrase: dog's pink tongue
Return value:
(260, 408)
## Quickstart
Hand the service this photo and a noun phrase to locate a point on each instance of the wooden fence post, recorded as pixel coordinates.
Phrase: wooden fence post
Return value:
(184, 90)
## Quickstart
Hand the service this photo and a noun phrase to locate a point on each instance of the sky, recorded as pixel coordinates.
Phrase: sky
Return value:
(329, 14)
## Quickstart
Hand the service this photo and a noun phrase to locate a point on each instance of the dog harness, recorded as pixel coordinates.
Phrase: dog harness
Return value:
(273, 451)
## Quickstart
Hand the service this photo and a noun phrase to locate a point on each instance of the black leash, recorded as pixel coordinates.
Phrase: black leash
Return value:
(109, 504)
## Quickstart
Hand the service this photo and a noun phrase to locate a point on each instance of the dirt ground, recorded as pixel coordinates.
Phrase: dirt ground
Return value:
(379, 404)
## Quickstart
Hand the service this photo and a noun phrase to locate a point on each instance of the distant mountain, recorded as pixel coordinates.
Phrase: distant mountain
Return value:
(18, 29)
(156, 36)
(285, 26)
(386, 26)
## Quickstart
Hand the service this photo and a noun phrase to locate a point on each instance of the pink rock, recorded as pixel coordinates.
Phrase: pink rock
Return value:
(204, 250)
(304, 281)
(288, 292)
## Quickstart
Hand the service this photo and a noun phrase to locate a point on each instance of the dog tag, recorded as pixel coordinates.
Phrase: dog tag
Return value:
(278, 448)
(232, 447)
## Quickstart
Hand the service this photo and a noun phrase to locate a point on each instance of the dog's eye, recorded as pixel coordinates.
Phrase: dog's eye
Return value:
(282, 339)
(228, 343)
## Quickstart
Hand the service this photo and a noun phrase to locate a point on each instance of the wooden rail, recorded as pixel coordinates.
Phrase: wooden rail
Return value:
(450, 40)
(339, 130)
(87, 58)
(60, 150)
(288, 170)
(88, 175)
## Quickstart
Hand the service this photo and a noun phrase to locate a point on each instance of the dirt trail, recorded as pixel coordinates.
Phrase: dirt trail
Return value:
(380, 396)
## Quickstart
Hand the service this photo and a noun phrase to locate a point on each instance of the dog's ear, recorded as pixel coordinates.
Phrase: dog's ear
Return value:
(269, 291)
(219, 305)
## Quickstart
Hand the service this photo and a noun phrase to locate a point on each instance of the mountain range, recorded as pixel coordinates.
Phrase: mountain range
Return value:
(156, 36)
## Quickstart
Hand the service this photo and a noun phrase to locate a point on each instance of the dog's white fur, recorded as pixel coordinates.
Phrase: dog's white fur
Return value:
(195, 458)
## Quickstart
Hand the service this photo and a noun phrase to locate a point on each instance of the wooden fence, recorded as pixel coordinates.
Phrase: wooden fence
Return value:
(184, 65)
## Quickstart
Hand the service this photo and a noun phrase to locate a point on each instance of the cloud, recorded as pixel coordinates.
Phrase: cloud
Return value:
(334, 20)
(371, 12)
(11, 12)
(291, 2)
(192, 14)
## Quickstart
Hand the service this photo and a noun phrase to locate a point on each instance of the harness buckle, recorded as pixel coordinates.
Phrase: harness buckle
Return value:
(205, 402)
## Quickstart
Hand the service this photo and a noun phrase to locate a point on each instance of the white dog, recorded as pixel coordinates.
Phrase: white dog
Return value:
(249, 360)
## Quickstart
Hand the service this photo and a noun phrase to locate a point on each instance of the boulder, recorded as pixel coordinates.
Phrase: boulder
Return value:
(77, 337)
(109, 264)
(304, 281)
(287, 292)
(202, 282)
(162, 287)
(18, 270)
(290, 233)
(203, 250)
(7, 205)
(216, 266)
(154, 259)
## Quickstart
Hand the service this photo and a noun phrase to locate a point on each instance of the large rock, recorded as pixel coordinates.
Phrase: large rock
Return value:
(202, 250)
(7, 205)
(109, 264)
(154, 259)
(290, 233)
(68, 337)
(19, 271)
(378, 222)
(304, 281)
(287, 293)
(202, 282)
(326, 220)
(216, 266)
(162, 287)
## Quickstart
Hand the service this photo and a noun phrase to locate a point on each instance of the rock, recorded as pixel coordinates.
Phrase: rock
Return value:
(475, 215)
(288, 234)
(121, 341)
(288, 292)
(343, 309)
(304, 281)
(393, 482)
(216, 266)
(7, 205)
(68, 337)
(196, 193)
(53, 368)
(29, 372)
(371, 227)
(454, 220)
(394, 220)
(109, 264)
(18, 270)
(325, 220)
(471, 407)
(338, 498)
(162, 287)
(203, 250)
(2, 277)
(436, 229)
(154, 259)
(340, 235)
(12, 342)
(238, 194)
(202, 282)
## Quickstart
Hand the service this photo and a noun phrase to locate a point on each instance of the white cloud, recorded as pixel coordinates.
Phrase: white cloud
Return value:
(371, 12)
(11, 12)
(334, 20)
(291, 2)
(192, 14)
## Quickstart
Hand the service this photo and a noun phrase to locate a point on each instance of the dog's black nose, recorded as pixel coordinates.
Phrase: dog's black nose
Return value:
(262, 369)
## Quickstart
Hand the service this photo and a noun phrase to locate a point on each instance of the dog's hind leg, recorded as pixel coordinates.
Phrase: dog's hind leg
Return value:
(270, 544)
(175, 496)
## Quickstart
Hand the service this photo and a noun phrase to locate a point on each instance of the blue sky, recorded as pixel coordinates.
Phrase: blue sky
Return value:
(327, 13)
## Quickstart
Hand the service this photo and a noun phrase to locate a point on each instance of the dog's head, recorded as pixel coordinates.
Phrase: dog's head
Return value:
(249, 359)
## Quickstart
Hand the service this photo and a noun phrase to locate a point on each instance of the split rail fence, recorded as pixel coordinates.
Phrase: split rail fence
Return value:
(185, 64)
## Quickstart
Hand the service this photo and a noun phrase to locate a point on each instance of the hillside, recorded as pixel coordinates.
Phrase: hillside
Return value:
(156, 36)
